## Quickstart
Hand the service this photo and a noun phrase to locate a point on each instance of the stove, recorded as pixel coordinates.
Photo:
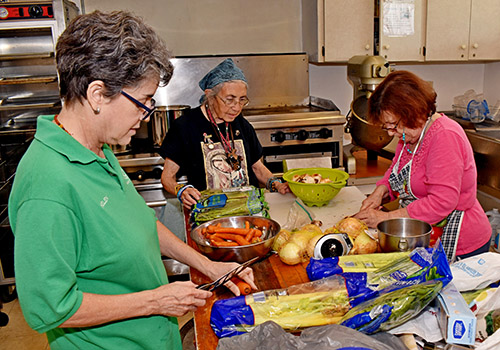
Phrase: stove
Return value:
(299, 132)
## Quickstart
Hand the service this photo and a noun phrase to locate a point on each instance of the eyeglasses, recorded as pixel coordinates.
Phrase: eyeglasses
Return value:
(393, 128)
(232, 101)
(147, 111)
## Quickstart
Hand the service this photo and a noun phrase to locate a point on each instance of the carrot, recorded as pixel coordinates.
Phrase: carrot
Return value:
(234, 230)
(250, 235)
(223, 243)
(244, 287)
(247, 225)
(236, 238)
(256, 240)
(258, 233)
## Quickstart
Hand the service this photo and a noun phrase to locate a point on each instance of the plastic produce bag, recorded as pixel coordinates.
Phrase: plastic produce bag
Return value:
(270, 335)
(298, 216)
(321, 268)
(304, 305)
(214, 204)
(392, 307)
(422, 264)
(476, 272)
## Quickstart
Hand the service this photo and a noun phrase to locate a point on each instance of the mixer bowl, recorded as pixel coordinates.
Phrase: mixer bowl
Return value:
(363, 133)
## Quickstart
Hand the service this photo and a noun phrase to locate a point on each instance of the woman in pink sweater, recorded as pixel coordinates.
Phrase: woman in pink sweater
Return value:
(433, 171)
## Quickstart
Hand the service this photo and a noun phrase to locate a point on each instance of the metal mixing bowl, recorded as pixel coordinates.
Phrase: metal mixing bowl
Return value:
(403, 234)
(269, 228)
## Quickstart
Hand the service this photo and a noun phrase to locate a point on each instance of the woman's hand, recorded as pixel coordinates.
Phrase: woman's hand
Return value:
(372, 216)
(178, 298)
(218, 269)
(374, 200)
(282, 187)
(190, 197)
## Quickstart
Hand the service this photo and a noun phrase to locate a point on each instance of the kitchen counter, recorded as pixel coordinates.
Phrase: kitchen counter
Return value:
(272, 273)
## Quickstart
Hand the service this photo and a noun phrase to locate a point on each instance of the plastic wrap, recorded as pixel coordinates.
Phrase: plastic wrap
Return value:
(304, 305)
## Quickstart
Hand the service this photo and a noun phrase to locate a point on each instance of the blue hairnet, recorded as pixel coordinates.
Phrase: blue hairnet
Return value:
(225, 71)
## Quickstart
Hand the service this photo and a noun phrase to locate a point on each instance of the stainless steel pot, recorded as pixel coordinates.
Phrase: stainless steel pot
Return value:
(363, 133)
(403, 234)
(162, 119)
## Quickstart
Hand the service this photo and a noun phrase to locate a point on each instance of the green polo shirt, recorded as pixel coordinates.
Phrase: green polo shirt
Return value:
(80, 226)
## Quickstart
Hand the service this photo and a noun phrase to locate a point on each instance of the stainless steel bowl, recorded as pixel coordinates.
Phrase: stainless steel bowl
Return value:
(269, 227)
(403, 234)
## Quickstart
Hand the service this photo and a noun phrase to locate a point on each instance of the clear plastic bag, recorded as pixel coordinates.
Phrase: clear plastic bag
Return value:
(270, 335)
(298, 216)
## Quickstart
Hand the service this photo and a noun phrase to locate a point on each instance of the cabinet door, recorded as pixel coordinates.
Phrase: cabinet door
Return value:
(401, 30)
(348, 29)
(485, 30)
(447, 32)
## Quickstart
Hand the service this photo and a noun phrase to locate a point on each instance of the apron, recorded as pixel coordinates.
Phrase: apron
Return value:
(401, 182)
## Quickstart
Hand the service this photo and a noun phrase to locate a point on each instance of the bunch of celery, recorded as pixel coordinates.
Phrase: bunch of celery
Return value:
(301, 310)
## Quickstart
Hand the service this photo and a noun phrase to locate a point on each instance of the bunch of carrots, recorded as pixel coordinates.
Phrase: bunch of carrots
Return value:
(232, 236)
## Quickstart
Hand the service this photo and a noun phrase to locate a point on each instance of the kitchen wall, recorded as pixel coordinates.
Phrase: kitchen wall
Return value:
(207, 27)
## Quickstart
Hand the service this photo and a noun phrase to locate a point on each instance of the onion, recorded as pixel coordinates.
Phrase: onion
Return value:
(291, 254)
(301, 238)
(281, 238)
(364, 244)
(312, 227)
(352, 226)
(311, 245)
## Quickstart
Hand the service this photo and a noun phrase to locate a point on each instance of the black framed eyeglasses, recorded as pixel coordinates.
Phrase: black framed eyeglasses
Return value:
(391, 128)
(147, 110)
(232, 101)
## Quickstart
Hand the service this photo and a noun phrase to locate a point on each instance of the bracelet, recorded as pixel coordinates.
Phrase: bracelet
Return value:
(178, 187)
(182, 189)
(271, 183)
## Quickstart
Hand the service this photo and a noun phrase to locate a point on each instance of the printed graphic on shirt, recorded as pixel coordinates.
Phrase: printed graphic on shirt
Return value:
(219, 172)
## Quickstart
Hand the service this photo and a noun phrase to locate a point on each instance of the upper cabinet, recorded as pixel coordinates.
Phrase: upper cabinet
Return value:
(461, 30)
(401, 30)
(336, 30)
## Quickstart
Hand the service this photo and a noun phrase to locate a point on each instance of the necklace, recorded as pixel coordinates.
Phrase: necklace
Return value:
(232, 158)
(59, 124)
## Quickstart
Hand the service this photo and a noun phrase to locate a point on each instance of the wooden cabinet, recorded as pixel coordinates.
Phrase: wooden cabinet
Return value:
(461, 30)
(336, 30)
(401, 30)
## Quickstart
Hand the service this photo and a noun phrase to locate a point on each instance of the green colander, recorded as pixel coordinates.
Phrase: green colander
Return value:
(316, 194)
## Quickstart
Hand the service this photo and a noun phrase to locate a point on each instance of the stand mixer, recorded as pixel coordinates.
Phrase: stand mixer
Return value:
(365, 73)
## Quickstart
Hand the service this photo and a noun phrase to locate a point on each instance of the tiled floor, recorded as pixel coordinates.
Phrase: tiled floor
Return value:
(17, 335)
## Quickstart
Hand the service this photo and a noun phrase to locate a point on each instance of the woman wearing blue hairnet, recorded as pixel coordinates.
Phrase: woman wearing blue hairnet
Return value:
(213, 144)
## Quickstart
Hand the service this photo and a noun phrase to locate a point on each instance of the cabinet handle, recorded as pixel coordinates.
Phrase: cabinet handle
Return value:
(476, 45)
(367, 47)
(387, 47)
(463, 47)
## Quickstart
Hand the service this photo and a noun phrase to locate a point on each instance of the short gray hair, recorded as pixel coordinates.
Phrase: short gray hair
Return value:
(117, 48)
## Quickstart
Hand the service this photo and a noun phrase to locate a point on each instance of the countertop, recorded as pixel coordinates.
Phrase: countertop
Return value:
(346, 203)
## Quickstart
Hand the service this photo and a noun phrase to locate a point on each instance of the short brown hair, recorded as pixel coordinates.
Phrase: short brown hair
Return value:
(117, 48)
(404, 95)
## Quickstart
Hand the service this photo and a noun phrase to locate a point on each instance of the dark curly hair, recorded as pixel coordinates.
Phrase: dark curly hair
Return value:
(404, 95)
(117, 48)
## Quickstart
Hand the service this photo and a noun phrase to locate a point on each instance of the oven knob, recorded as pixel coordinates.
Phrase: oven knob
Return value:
(157, 173)
(140, 175)
(302, 135)
(35, 11)
(280, 136)
(324, 133)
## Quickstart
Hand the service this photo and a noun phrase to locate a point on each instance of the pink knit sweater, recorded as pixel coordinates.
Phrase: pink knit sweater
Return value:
(443, 177)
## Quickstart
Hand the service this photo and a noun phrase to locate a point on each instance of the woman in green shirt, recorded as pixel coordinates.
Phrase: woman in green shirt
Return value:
(87, 248)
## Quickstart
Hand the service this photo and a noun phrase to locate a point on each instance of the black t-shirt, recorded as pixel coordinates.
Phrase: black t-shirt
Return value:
(193, 143)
